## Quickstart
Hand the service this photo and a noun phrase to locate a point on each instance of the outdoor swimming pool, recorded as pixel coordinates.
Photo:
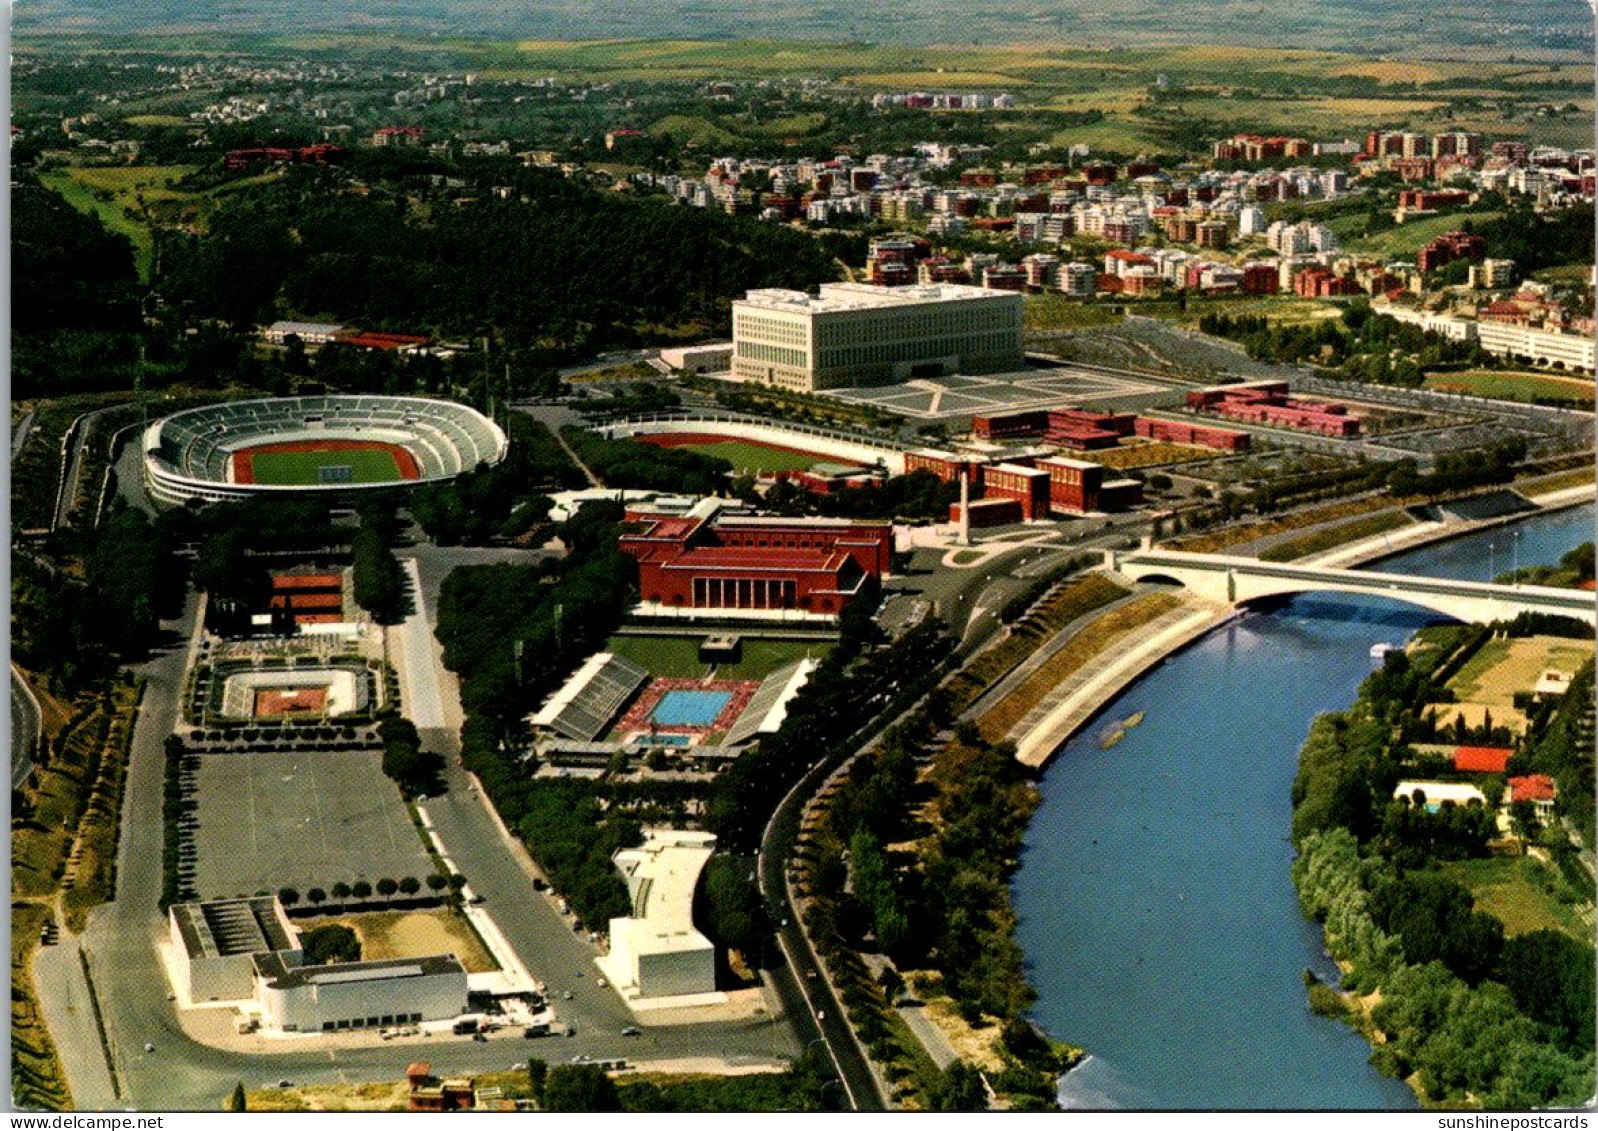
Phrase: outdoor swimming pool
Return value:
(690, 708)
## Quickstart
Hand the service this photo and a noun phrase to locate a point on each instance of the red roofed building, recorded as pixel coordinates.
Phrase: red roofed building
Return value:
(1481, 759)
(814, 566)
(376, 340)
(1539, 789)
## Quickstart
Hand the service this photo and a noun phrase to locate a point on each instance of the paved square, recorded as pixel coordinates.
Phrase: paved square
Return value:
(300, 820)
(1041, 387)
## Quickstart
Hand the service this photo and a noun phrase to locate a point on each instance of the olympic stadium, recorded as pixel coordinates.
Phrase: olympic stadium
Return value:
(332, 444)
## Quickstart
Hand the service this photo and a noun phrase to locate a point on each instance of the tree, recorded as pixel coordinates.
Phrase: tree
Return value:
(379, 584)
(341, 891)
(316, 896)
(386, 888)
(288, 897)
(1550, 976)
(436, 882)
(961, 1089)
(410, 885)
(235, 1100)
(331, 942)
(361, 889)
(537, 1073)
(580, 1087)
(1523, 818)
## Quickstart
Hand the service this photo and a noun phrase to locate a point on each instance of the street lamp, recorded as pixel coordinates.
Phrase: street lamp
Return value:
(1514, 542)
(1492, 572)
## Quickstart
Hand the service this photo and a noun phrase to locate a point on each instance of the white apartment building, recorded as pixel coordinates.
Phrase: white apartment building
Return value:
(1079, 280)
(1541, 347)
(853, 334)
(1250, 220)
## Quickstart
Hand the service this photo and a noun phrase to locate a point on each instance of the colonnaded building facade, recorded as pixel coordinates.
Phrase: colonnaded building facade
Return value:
(854, 334)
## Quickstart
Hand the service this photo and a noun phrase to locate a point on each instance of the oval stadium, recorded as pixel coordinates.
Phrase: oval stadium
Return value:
(283, 445)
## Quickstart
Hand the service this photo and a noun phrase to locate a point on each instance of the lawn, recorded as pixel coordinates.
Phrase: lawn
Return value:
(1407, 239)
(752, 459)
(677, 657)
(413, 934)
(1529, 387)
(1322, 540)
(1156, 453)
(110, 192)
(301, 469)
(1502, 667)
(1518, 891)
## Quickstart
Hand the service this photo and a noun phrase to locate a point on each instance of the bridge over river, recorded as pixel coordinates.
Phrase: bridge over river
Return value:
(1238, 580)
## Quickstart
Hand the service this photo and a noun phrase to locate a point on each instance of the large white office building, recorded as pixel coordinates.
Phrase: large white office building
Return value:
(358, 995)
(854, 334)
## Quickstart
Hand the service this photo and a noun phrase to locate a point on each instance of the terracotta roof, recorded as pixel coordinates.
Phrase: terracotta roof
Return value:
(1481, 759)
(1532, 787)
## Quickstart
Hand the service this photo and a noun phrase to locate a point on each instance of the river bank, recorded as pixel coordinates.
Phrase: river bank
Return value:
(1132, 656)
(1154, 894)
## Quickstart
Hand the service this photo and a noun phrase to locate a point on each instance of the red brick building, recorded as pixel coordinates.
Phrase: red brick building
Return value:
(810, 565)
(1268, 402)
(1448, 247)
(1076, 486)
(1180, 432)
(1028, 486)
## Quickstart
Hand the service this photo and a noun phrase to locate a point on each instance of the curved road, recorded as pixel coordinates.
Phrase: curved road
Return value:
(26, 723)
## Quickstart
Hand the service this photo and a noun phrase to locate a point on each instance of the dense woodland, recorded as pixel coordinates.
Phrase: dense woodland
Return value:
(569, 264)
(1471, 1016)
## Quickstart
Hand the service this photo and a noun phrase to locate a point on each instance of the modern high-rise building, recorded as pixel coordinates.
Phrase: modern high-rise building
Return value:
(852, 334)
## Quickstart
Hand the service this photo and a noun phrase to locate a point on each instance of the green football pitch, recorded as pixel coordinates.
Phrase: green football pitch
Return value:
(755, 458)
(302, 469)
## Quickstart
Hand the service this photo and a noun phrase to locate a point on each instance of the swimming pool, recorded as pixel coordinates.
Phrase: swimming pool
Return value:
(690, 708)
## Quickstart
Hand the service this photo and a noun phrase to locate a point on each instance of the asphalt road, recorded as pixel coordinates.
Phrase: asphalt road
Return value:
(25, 724)
(180, 1073)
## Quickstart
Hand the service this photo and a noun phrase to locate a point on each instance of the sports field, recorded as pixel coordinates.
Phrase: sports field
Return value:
(678, 656)
(1515, 386)
(303, 464)
(749, 457)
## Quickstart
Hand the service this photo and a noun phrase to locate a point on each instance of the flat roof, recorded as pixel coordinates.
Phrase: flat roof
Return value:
(223, 927)
(285, 977)
(842, 297)
(764, 558)
(661, 875)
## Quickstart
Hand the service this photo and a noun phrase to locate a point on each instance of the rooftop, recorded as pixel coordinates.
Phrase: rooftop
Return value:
(282, 976)
(840, 297)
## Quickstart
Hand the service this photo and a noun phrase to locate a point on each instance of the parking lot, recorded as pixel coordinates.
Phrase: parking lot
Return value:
(301, 819)
(937, 398)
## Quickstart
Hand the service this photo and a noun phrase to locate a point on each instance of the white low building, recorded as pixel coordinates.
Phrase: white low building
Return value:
(214, 944)
(658, 952)
(310, 333)
(1437, 792)
(358, 995)
(714, 357)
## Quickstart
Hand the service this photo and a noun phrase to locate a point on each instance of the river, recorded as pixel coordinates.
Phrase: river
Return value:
(1155, 907)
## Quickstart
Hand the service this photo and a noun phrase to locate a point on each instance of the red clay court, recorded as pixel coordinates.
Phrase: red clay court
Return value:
(299, 462)
(274, 702)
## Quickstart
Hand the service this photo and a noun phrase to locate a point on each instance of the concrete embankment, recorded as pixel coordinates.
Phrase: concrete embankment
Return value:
(1063, 712)
(1068, 707)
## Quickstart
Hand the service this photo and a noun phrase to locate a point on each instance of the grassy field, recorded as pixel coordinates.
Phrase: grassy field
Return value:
(1091, 640)
(1287, 310)
(1156, 453)
(677, 657)
(1519, 892)
(1502, 667)
(1406, 239)
(1322, 540)
(753, 459)
(413, 934)
(1527, 387)
(1045, 312)
(112, 192)
(301, 469)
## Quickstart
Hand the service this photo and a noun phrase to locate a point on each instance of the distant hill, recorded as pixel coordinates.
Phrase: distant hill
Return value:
(1424, 28)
